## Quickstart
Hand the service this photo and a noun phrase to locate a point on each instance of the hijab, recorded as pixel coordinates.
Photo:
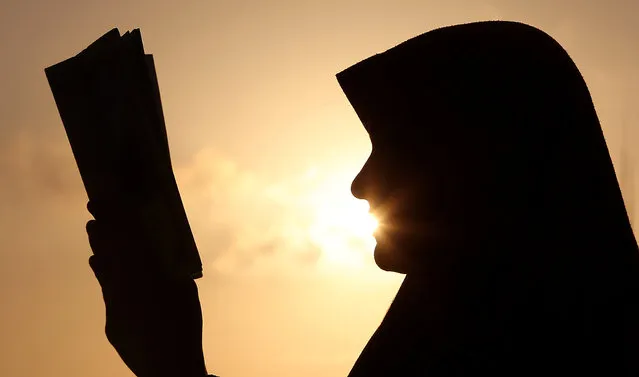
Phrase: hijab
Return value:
(552, 287)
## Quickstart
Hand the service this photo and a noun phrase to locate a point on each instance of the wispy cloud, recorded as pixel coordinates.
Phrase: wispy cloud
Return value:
(243, 221)
(35, 167)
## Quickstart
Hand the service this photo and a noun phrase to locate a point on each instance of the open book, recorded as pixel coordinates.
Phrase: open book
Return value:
(109, 101)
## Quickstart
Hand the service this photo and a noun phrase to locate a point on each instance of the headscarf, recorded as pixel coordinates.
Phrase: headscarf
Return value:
(554, 289)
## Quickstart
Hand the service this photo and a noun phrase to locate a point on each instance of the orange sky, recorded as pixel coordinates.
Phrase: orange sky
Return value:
(264, 145)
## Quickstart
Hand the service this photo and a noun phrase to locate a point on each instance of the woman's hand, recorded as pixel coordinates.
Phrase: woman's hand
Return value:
(154, 322)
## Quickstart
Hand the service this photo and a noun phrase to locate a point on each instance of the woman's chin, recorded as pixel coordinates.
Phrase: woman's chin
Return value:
(389, 260)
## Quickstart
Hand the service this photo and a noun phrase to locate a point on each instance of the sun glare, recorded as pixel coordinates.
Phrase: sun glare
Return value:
(342, 225)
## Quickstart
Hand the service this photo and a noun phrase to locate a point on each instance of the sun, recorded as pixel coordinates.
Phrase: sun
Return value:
(342, 225)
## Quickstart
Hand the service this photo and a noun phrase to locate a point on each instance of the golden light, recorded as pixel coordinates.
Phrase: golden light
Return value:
(341, 224)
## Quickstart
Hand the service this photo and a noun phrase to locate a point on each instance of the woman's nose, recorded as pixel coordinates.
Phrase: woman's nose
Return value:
(356, 187)
(361, 184)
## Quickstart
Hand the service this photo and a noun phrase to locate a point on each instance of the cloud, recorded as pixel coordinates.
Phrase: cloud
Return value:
(36, 167)
(244, 222)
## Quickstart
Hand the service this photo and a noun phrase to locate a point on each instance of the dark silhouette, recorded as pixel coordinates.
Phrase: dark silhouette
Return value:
(498, 200)
(504, 210)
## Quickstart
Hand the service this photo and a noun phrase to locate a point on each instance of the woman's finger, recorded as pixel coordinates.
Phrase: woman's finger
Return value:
(110, 210)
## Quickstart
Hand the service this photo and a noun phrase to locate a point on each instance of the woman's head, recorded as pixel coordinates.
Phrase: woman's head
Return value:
(484, 137)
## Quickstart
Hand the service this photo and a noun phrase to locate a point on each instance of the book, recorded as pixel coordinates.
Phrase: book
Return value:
(108, 98)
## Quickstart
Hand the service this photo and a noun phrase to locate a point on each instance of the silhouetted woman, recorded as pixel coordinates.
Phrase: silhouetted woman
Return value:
(498, 200)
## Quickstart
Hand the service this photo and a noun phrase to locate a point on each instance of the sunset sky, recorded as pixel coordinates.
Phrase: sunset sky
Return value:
(264, 146)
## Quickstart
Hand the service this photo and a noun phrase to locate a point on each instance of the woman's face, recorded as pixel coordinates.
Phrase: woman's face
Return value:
(421, 192)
